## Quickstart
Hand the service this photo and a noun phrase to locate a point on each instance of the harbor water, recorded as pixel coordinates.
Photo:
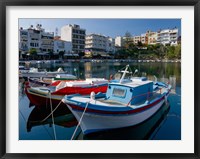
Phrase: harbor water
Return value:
(164, 125)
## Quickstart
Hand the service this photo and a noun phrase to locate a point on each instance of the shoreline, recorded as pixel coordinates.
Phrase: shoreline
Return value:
(98, 60)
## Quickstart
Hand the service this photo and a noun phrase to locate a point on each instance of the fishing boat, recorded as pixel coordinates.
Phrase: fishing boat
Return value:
(144, 131)
(44, 81)
(129, 101)
(53, 94)
(37, 73)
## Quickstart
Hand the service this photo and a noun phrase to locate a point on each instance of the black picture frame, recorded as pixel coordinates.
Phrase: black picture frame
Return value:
(5, 3)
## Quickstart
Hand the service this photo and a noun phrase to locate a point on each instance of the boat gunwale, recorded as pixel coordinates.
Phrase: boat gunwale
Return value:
(128, 111)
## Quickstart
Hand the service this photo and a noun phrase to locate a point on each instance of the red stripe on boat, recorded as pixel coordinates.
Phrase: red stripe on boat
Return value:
(116, 112)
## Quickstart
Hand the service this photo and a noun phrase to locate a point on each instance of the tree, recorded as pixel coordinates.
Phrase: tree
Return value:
(128, 39)
(33, 52)
(170, 52)
(139, 43)
(51, 54)
(177, 51)
(61, 54)
(81, 54)
(128, 34)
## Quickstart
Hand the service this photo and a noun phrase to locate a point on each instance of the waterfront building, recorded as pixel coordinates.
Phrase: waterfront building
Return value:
(144, 38)
(152, 37)
(168, 36)
(47, 40)
(136, 39)
(119, 41)
(35, 38)
(97, 44)
(75, 35)
(23, 40)
(110, 45)
(62, 46)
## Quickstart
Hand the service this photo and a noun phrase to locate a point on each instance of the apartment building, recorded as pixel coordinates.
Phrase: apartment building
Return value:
(75, 35)
(168, 36)
(62, 46)
(110, 45)
(136, 39)
(144, 38)
(174, 38)
(35, 38)
(119, 41)
(152, 37)
(97, 44)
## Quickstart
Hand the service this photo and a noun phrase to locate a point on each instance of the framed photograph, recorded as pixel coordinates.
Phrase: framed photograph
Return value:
(86, 79)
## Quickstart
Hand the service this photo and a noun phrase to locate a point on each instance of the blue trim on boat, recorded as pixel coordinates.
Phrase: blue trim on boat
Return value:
(116, 109)
(116, 113)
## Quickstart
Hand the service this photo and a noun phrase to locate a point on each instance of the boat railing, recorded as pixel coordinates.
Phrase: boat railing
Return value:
(148, 94)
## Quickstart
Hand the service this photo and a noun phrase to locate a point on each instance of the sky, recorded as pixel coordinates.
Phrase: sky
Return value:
(107, 27)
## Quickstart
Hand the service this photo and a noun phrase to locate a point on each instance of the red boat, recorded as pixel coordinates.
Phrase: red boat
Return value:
(53, 94)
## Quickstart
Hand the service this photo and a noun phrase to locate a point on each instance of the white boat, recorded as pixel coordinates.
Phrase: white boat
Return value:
(129, 101)
(35, 72)
(54, 93)
(46, 81)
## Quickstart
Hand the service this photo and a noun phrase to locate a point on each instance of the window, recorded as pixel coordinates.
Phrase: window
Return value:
(118, 92)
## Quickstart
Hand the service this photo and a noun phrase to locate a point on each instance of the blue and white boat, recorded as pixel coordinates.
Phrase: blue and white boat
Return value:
(129, 101)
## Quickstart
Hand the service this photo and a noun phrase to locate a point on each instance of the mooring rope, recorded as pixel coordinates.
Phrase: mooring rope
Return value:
(52, 112)
(22, 115)
(54, 130)
(80, 121)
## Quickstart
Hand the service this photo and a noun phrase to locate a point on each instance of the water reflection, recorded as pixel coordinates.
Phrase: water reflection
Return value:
(41, 116)
(160, 122)
(104, 69)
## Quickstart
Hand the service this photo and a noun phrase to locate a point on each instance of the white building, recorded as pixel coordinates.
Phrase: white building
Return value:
(144, 38)
(136, 39)
(173, 36)
(110, 45)
(97, 44)
(168, 37)
(62, 46)
(35, 38)
(75, 35)
(119, 41)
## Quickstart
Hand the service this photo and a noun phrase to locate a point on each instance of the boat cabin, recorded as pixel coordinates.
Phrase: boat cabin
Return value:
(131, 93)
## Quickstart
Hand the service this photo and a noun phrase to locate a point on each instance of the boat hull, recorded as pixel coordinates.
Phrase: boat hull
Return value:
(41, 98)
(40, 74)
(37, 83)
(94, 122)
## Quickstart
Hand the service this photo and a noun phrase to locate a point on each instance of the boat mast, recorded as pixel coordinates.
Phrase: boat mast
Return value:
(124, 73)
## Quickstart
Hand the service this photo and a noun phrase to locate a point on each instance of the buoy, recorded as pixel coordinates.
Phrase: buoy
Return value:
(92, 96)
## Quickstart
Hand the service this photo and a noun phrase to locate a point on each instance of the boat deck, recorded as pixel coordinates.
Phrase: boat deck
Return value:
(116, 103)
(112, 103)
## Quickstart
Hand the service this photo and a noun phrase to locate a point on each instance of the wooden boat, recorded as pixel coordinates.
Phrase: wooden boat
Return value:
(128, 102)
(53, 94)
(144, 131)
(38, 82)
(36, 73)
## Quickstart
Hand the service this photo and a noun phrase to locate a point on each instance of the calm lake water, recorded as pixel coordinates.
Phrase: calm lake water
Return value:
(164, 125)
